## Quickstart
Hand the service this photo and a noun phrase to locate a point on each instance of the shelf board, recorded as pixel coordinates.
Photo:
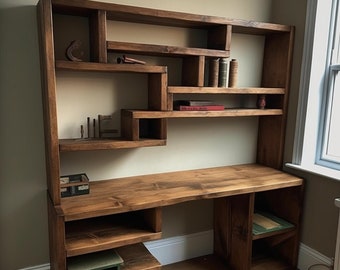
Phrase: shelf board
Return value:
(137, 114)
(66, 145)
(126, 13)
(222, 90)
(288, 232)
(91, 235)
(155, 190)
(151, 49)
(137, 257)
(103, 67)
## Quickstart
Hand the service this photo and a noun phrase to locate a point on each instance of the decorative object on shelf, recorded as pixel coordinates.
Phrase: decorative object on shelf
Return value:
(223, 72)
(213, 72)
(106, 126)
(261, 102)
(81, 131)
(129, 60)
(88, 127)
(75, 184)
(73, 49)
(233, 72)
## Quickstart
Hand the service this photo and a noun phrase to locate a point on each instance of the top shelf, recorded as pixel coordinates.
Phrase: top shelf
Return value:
(162, 17)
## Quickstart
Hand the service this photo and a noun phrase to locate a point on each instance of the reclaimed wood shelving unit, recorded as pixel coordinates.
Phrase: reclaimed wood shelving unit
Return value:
(122, 213)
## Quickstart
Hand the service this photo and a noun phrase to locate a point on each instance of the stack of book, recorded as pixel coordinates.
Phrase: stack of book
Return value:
(197, 105)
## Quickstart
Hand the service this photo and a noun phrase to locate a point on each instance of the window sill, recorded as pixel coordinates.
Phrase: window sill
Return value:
(317, 170)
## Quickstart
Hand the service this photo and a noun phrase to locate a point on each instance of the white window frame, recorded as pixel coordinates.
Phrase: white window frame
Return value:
(324, 157)
(309, 154)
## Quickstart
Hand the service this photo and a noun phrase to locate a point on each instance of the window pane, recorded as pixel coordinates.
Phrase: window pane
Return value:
(333, 145)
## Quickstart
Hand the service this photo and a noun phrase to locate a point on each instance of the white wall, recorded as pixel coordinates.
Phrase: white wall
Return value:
(192, 143)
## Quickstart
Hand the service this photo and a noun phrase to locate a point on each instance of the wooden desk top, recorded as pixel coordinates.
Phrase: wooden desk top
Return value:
(162, 189)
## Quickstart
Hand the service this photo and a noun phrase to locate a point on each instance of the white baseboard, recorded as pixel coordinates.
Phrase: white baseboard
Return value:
(179, 248)
(309, 257)
(38, 267)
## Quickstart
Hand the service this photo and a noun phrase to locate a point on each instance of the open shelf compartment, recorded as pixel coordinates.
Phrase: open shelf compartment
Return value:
(101, 233)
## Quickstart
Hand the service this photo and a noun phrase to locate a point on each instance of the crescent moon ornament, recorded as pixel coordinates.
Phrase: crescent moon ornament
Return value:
(74, 45)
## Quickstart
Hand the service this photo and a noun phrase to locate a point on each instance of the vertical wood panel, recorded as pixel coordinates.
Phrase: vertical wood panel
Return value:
(48, 81)
(193, 71)
(233, 229)
(98, 37)
(276, 73)
(56, 238)
(219, 37)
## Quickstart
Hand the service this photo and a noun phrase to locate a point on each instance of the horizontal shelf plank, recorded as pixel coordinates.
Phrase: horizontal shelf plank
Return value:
(163, 17)
(222, 90)
(92, 235)
(103, 67)
(66, 145)
(151, 49)
(156, 190)
(197, 114)
(275, 233)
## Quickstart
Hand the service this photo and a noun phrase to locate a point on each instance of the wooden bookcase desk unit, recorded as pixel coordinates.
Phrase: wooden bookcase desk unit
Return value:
(123, 213)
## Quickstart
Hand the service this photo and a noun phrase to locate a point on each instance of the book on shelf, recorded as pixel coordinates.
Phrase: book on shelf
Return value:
(197, 105)
(264, 222)
(200, 108)
(190, 102)
(108, 259)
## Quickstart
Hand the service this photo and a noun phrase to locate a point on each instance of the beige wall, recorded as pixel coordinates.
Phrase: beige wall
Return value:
(23, 219)
(320, 216)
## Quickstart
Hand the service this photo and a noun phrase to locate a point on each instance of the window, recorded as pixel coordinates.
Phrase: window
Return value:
(329, 152)
(317, 148)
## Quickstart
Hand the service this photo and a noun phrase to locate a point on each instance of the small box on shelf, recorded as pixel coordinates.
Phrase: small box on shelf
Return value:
(75, 184)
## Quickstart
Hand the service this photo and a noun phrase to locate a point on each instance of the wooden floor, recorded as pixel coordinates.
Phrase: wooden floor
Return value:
(201, 263)
(211, 262)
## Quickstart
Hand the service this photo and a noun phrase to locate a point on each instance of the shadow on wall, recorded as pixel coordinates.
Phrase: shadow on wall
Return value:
(23, 214)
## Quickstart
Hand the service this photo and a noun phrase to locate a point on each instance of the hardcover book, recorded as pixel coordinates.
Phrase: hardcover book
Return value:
(265, 222)
(188, 102)
(200, 108)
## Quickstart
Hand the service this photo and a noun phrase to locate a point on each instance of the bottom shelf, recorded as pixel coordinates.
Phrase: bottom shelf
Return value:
(137, 257)
(132, 257)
